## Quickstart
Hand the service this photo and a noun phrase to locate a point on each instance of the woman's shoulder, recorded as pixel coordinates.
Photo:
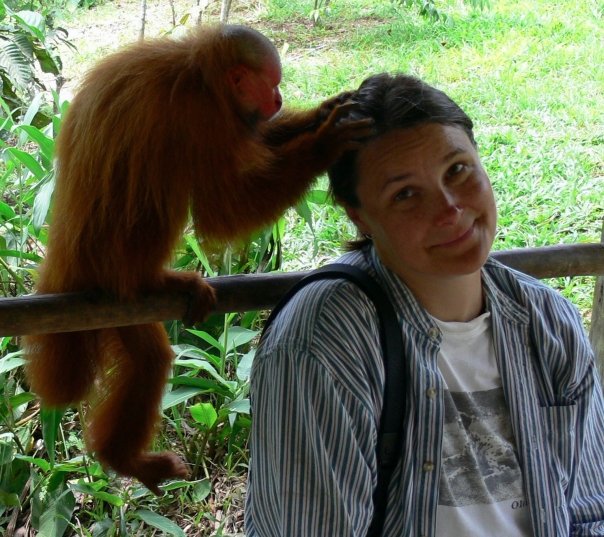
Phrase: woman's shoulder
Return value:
(528, 293)
(324, 309)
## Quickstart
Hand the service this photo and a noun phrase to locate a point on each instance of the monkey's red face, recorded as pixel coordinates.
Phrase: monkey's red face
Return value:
(267, 87)
(258, 91)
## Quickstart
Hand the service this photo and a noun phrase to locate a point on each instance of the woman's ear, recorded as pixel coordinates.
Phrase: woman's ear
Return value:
(356, 216)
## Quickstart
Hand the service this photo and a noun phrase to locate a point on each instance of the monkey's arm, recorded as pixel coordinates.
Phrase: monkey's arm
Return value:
(275, 178)
(290, 124)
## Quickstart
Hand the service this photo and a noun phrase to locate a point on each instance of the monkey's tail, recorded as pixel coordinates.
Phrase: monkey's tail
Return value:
(61, 368)
(123, 420)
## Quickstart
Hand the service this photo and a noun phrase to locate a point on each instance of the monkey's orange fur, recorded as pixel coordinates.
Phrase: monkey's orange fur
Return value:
(153, 130)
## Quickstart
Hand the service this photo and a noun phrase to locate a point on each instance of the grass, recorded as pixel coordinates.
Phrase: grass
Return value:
(528, 72)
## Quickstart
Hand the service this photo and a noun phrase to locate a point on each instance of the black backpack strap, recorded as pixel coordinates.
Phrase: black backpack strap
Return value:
(391, 421)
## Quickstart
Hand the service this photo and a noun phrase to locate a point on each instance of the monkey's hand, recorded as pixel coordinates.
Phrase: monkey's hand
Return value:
(338, 134)
(328, 106)
(202, 297)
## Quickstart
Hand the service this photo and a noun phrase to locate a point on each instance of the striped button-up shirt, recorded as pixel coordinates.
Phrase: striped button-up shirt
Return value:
(317, 382)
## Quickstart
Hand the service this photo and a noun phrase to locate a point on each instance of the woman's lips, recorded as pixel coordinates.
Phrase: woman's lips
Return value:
(458, 239)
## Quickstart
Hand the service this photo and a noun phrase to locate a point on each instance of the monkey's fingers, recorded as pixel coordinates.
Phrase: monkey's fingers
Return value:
(341, 111)
(346, 136)
(328, 105)
(353, 130)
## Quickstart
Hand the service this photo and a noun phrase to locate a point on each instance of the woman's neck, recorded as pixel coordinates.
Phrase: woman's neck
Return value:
(452, 298)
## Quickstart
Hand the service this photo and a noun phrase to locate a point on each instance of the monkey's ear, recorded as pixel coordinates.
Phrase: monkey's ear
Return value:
(237, 78)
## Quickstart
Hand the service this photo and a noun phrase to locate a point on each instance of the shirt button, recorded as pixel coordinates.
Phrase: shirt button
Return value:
(428, 466)
(433, 333)
(431, 393)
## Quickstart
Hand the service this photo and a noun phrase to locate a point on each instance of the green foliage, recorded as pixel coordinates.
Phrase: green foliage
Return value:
(52, 8)
(28, 56)
(26, 184)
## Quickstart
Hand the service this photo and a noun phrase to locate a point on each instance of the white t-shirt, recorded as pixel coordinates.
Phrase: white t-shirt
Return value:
(481, 488)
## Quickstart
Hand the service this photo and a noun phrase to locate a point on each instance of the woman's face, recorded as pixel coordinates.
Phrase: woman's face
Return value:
(426, 201)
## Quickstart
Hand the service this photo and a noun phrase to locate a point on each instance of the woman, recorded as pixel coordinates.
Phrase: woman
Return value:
(505, 417)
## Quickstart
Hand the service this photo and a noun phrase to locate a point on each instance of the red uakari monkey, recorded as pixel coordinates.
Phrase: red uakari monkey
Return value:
(156, 128)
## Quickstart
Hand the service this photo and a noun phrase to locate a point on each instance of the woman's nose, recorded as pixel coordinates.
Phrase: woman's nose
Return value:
(447, 209)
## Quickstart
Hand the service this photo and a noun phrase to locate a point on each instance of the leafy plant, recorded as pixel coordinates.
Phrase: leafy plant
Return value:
(28, 50)
(26, 185)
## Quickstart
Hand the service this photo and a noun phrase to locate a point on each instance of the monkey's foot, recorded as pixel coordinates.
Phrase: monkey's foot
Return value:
(202, 297)
(153, 468)
(202, 300)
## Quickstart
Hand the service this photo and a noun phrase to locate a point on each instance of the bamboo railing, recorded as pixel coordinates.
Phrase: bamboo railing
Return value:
(37, 314)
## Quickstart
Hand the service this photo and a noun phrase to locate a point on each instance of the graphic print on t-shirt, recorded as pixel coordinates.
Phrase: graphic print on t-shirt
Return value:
(479, 463)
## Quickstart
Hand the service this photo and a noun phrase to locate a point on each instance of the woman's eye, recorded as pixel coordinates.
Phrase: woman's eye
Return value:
(457, 168)
(404, 194)
(459, 171)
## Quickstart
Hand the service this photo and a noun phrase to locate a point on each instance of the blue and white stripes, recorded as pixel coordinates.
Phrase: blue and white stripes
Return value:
(316, 399)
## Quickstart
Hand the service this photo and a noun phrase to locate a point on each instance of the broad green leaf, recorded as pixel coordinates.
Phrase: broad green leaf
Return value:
(199, 253)
(55, 518)
(201, 490)
(20, 255)
(43, 464)
(50, 418)
(180, 395)
(42, 204)
(7, 453)
(6, 211)
(85, 488)
(159, 522)
(177, 484)
(21, 399)
(304, 211)
(318, 197)
(224, 387)
(15, 64)
(47, 61)
(32, 110)
(237, 336)
(208, 339)
(240, 407)
(245, 365)
(11, 361)
(203, 365)
(204, 413)
(9, 499)
(28, 161)
(33, 21)
(46, 144)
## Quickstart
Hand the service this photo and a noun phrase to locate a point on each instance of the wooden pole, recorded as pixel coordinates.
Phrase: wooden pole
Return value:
(38, 314)
(596, 333)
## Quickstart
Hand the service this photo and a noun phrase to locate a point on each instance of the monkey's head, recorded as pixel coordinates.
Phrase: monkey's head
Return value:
(256, 74)
(257, 90)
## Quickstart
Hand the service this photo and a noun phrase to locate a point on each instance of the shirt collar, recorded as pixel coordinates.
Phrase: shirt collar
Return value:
(495, 278)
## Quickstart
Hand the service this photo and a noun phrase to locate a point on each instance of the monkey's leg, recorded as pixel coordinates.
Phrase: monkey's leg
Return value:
(124, 420)
(61, 367)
